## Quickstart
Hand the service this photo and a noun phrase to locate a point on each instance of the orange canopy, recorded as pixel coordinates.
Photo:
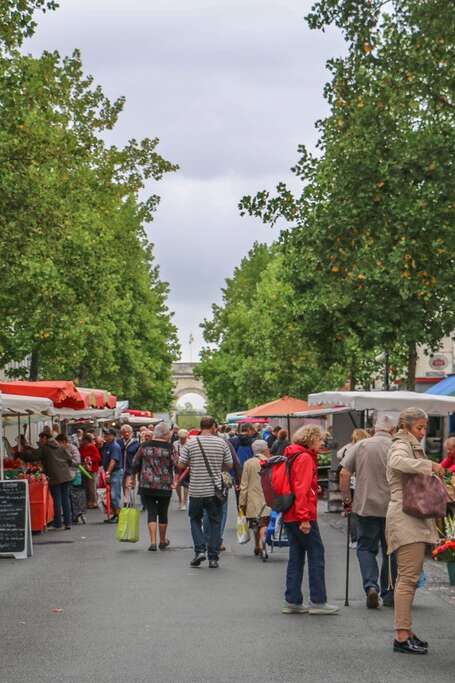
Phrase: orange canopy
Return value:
(286, 405)
(63, 394)
(98, 398)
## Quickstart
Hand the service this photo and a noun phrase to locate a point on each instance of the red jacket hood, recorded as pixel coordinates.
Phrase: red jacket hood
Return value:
(296, 448)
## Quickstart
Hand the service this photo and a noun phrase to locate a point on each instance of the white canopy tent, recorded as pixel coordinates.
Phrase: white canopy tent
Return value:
(103, 414)
(14, 407)
(136, 421)
(393, 401)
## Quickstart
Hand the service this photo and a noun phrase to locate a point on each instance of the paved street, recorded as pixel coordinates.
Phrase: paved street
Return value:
(131, 615)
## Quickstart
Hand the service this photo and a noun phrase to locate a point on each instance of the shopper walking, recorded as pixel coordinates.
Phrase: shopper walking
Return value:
(243, 442)
(281, 443)
(207, 455)
(129, 447)
(408, 535)
(112, 466)
(154, 464)
(56, 463)
(367, 461)
(78, 499)
(182, 487)
(252, 502)
(302, 527)
(91, 460)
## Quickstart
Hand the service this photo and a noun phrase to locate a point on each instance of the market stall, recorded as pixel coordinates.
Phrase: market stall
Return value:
(28, 411)
(357, 404)
(284, 409)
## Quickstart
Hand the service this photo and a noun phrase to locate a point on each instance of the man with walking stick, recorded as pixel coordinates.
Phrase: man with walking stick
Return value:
(368, 460)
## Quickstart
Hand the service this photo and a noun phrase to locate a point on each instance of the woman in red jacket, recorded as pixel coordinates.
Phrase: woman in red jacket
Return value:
(91, 459)
(302, 527)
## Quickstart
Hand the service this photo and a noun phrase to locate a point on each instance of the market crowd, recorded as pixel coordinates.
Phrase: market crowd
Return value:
(209, 465)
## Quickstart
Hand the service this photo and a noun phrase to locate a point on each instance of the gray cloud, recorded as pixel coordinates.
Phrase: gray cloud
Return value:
(231, 88)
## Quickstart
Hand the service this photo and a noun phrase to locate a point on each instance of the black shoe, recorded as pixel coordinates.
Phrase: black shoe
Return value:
(417, 641)
(388, 601)
(67, 527)
(196, 561)
(152, 546)
(372, 598)
(213, 564)
(112, 520)
(409, 647)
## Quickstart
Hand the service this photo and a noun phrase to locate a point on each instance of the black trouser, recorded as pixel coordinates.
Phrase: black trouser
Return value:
(214, 508)
(156, 506)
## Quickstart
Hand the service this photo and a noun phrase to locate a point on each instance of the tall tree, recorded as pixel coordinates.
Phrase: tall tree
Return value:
(79, 288)
(375, 218)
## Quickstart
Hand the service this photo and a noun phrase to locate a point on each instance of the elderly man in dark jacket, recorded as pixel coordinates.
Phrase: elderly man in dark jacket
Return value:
(56, 463)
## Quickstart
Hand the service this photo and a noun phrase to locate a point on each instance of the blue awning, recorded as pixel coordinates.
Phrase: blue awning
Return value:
(446, 387)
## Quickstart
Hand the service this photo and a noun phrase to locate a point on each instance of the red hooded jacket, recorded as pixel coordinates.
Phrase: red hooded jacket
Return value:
(304, 484)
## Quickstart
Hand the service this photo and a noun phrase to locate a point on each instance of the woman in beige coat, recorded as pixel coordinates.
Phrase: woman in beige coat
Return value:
(408, 535)
(252, 501)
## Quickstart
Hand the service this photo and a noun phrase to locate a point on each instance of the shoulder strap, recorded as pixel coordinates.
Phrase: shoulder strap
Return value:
(207, 464)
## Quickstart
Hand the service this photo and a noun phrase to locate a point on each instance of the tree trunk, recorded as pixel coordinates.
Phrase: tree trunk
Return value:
(83, 375)
(412, 362)
(34, 366)
(352, 377)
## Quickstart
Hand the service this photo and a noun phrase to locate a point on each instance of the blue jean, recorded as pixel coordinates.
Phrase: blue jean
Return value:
(61, 496)
(196, 510)
(206, 523)
(301, 544)
(371, 535)
(116, 489)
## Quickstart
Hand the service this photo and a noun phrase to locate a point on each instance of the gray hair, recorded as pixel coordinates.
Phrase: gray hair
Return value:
(448, 443)
(161, 429)
(386, 421)
(259, 446)
(409, 416)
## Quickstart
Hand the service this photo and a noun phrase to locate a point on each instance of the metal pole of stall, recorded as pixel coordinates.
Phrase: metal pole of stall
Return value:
(348, 540)
(386, 371)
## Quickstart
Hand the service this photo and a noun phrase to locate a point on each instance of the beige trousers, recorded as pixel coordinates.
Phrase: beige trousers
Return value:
(90, 489)
(410, 564)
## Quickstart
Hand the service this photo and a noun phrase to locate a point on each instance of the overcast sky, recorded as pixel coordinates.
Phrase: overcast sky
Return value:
(231, 88)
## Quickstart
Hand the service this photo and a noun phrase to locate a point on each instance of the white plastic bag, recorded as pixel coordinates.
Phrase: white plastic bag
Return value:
(243, 531)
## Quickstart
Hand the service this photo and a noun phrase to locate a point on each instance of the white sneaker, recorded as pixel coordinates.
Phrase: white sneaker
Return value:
(183, 507)
(353, 545)
(290, 608)
(324, 608)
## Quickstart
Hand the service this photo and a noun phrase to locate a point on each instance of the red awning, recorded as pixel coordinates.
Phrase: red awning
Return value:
(63, 394)
(98, 398)
(279, 408)
(138, 413)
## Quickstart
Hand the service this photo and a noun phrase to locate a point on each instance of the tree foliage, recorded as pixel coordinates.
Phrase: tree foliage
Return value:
(257, 351)
(17, 19)
(371, 237)
(79, 289)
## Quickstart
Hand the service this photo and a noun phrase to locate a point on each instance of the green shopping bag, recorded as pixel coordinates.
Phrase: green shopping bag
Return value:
(128, 525)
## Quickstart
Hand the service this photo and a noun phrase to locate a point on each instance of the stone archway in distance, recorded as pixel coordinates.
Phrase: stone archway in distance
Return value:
(185, 383)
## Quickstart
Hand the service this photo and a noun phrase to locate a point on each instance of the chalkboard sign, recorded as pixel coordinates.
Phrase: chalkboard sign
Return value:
(15, 533)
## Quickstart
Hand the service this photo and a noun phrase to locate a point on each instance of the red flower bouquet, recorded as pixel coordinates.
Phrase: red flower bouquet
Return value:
(445, 552)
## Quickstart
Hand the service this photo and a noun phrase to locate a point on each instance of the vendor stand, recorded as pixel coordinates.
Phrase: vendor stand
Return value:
(361, 402)
(17, 411)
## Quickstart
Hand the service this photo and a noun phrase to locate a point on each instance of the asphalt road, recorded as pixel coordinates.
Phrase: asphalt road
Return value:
(133, 616)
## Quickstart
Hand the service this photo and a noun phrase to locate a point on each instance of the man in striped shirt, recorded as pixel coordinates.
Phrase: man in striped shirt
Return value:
(204, 476)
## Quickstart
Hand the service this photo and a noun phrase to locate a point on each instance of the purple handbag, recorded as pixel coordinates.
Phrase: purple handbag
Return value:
(424, 496)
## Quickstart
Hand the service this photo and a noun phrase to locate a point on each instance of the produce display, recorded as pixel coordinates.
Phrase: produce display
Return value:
(41, 503)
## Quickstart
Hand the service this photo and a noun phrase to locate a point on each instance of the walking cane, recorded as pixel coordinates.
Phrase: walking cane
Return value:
(348, 540)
